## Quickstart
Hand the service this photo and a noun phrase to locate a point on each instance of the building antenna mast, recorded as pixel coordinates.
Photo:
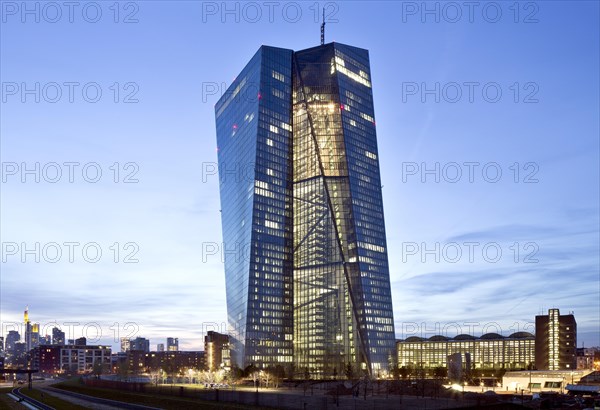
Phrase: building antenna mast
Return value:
(323, 28)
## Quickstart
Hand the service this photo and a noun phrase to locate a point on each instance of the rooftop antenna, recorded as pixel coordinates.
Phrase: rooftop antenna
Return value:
(323, 28)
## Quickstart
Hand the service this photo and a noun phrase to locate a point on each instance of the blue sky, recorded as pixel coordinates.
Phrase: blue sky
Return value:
(541, 56)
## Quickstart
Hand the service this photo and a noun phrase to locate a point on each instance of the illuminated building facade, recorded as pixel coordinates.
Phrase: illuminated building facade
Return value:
(139, 343)
(556, 341)
(216, 349)
(32, 331)
(54, 359)
(305, 250)
(125, 344)
(174, 359)
(490, 351)
(172, 344)
(58, 336)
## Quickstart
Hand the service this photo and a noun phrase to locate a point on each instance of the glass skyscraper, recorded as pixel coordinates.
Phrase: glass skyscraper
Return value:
(305, 249)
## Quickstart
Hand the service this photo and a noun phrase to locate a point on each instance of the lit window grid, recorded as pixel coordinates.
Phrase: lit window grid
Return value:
(485, 354)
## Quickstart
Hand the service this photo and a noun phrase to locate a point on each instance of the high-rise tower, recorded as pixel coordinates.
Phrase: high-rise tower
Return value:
(305, 250)
(555, 341)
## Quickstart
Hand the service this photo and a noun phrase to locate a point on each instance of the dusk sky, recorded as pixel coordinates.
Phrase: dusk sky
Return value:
(488, 131)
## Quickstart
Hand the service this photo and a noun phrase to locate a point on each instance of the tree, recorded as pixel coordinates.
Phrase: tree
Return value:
(170, 368)
(234, 374)
(123, 369)
(255, 376)
(404, 372)
(267, 376)
(440, 372)
(248, 370)
(349, 371)
(396, 372)
(291, 371)
(278, 375)
(98, 369)
(499, 373)
(209, 377)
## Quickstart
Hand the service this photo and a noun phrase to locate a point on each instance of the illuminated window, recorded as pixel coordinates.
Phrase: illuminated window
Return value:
(278, 76)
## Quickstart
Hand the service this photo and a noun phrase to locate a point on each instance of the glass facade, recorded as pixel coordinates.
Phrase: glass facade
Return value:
(490, 351)
(254, 143)
(314, 288)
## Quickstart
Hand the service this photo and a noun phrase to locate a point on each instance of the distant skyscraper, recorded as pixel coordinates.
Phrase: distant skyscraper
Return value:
(19, 355)
(125, 344)
(172, 344)
(58, 336)
(32, 331)
(306, 264)
(160, 347)
(555, 341)
(11, 338)
(139, 343)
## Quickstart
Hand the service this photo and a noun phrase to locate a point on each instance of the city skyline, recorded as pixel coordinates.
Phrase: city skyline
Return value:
(546, 141)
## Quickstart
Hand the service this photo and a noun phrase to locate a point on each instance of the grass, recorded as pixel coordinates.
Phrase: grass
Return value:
(150, 399)
(50, 400)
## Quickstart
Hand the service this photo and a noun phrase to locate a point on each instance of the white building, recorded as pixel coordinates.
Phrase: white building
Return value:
(83, 358)
(537, 381)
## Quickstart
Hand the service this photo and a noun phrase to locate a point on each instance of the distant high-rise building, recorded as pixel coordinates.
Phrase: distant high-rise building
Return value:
(1, 346)
(140, 344)
(19, 356)
(125, 344)
(58, 337)
(28, 328)
(32, 331)
(45, 340)
(555, 341)
(172, 344)
(82, 341)
(305, 251)
(160, 347)
(12, 337)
